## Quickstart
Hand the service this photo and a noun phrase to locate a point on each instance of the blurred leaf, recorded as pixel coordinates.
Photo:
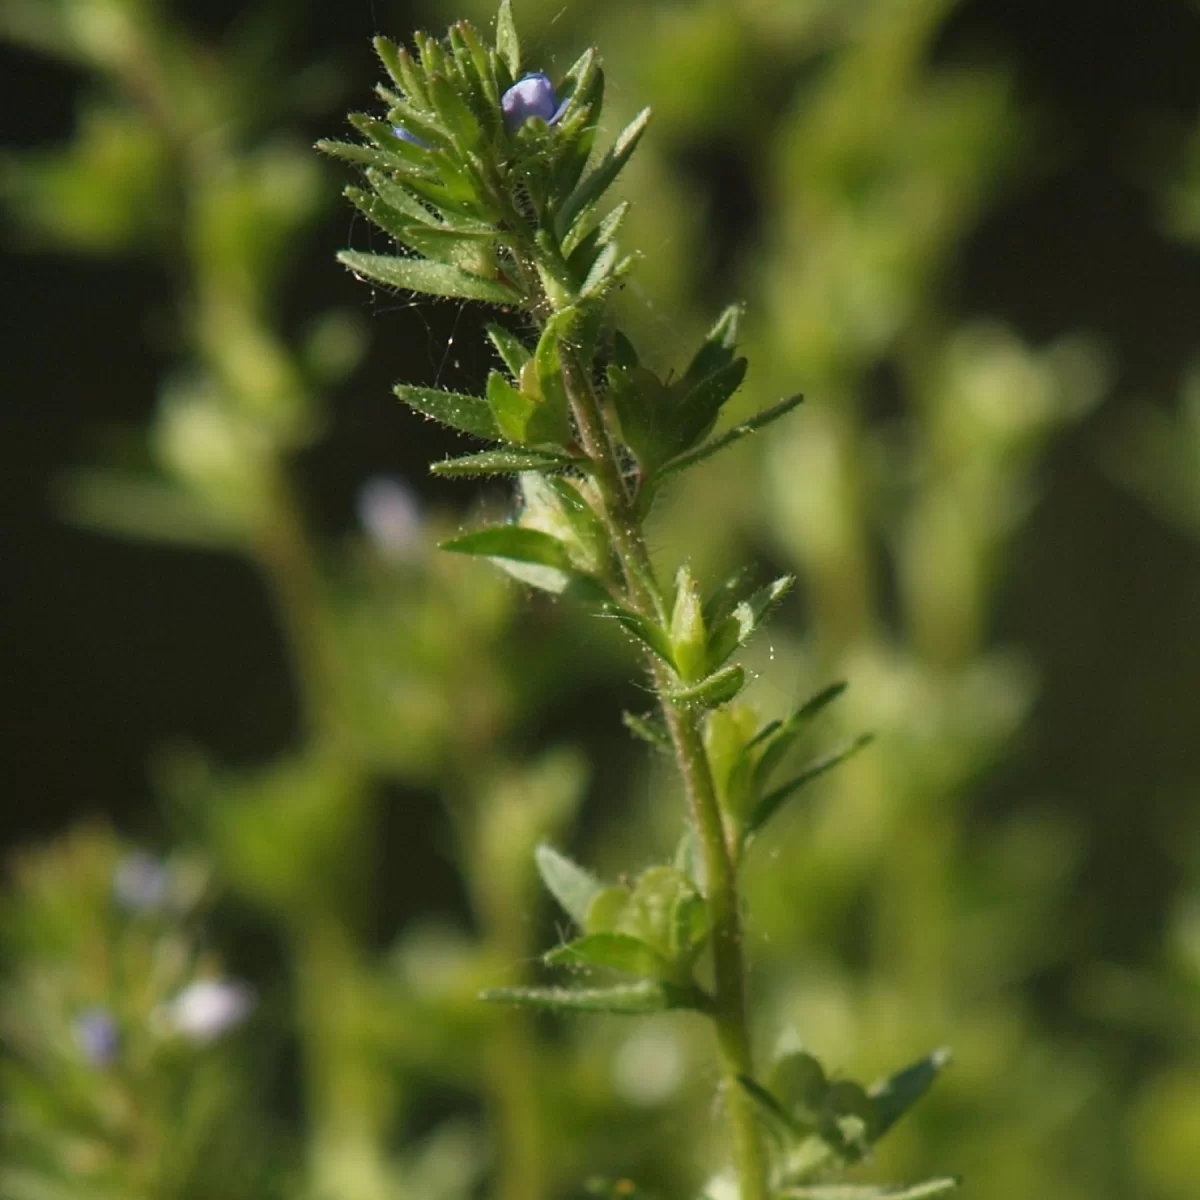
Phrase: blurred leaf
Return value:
(770, 804)
(124, 504)
(508, 45)
(867, 1191)
(612, 951)
(573, 886)
(737, 628)
(629, 998)
(896, 1094)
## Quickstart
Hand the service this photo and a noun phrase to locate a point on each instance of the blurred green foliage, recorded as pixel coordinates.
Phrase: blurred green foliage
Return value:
(887, 918)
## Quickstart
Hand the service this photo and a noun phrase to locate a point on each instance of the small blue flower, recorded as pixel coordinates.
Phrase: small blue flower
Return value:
(405, 136)
(391, 515)
(531, 96)
(97, 1036)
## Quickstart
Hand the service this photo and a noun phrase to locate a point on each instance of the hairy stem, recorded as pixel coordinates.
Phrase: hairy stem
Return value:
(645, 595)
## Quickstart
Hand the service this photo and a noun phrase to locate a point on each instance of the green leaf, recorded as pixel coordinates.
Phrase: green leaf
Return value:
(467, 414)
(648, 632)
(645, 996)
(508, 45)
(778, 1119)
(434, 279)
(896, 1094)
(717, 349)
(737, 628)
(513, 352)
(689, 640)
(729, 437)
(700, 403)
(513, 410)
(456, 114)
(719, 688)
(398, 196)
(614, 952)
(436, 243)
(573, 886)
(370, 156)
(596, 182)
(868, 1191)
(778, 738)
(402, 201)
(641, 403)
(399, 65)
(502, 462)
(649, 727)
(516, 543)
(548, 363)
(770, 804)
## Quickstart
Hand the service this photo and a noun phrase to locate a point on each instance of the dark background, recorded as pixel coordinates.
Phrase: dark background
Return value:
(110, 649)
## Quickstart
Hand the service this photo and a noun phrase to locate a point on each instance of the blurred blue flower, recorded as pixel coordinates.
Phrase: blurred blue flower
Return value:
(210, 1007)
(391, 515)
(531, 96)
(141, 882)
(405, 136)
(97, 1036)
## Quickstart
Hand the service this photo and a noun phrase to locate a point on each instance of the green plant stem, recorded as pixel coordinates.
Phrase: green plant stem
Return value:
(729, 972)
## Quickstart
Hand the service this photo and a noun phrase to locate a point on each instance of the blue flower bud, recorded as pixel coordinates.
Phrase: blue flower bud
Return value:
(97, 1036)
(405, 136)
(531, 96)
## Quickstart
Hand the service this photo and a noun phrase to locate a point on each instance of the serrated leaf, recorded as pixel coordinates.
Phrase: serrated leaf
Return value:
(897, 1093)
(573, 886)
(502, 462)
(467, 414)
(868, 1191)
(597, 181)
(718, 688)
(770, 804)
(645, 996)
(516, 543)
(748, 616)
(614, 952)
(434, 279)
(508, 45)
(513, 352)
